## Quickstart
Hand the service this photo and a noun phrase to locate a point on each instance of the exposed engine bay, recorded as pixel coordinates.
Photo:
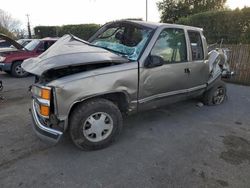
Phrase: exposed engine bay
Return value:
(54, 74)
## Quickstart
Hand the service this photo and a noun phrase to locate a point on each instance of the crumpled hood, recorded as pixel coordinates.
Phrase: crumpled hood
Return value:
(69, 51)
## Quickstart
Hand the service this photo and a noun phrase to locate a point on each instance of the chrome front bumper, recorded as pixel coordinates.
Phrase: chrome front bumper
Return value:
(43, 132)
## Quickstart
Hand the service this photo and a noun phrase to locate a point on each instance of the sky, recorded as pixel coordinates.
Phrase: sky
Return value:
(62, 12)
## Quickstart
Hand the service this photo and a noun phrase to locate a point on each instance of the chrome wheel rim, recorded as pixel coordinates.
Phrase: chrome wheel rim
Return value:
(19, 70)
(98, 127)
(219, 96)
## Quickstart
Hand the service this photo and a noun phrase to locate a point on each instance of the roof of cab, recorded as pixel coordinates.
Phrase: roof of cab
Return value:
(155, 25)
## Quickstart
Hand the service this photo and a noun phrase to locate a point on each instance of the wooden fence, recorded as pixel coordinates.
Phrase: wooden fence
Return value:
(239, 60)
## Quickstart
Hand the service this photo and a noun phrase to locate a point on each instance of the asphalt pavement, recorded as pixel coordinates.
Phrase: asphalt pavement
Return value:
(180, 145)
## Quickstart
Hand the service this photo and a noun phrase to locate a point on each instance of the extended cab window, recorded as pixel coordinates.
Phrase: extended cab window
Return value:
(171, 46)
(196, 45)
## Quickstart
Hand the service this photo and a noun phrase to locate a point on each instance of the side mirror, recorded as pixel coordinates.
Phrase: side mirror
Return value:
(153, 61)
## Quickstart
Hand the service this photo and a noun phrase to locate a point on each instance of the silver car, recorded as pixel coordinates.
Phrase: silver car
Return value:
(87, 87)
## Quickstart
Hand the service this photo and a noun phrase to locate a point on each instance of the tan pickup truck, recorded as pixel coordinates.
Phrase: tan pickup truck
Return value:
(85, 88)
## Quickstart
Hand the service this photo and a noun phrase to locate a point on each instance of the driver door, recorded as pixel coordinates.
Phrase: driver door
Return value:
(166, 83)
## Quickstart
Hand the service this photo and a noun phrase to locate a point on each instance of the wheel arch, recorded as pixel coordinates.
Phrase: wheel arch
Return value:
(13, 71)
(119, 98)
(15, 61)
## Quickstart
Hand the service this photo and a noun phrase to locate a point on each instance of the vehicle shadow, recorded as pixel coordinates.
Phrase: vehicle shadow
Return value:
(140, 124)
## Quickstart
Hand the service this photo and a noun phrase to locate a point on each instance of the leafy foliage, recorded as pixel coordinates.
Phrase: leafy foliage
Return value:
(84, 31)
(9, 25)
(8, 22)
(232, 26)
(6, 32)
(172, 10)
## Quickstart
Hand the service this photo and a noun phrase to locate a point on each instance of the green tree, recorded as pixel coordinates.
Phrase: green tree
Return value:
(9, 25)
(83, 31)
(246, 24)
(233, 26)
(172, 10)
(8, 22)
(6, 32)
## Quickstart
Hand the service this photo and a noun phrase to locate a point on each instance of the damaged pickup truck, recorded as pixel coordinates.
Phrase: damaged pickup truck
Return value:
(85, 88)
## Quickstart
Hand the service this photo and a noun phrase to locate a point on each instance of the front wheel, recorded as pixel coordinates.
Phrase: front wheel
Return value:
(95, 124)
(216, 95)
(17, 70)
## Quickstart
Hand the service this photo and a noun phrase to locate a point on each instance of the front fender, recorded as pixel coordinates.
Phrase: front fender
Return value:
(82, 88)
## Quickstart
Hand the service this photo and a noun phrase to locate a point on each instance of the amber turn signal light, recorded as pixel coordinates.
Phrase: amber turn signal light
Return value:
(44, 110)
(45, 94)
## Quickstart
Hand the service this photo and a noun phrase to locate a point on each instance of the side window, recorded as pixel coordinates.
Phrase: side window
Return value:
(47, 44)
(171, 46)
(41, 47)
(196, 45)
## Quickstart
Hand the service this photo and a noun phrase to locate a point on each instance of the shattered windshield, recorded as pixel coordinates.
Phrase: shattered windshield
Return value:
(124, 39)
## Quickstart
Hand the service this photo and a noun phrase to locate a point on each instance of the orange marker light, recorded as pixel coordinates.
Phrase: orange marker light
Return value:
(44, 110)
(45, 94)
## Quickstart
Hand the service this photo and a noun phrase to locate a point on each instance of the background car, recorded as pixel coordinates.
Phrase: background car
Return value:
(7, 44)
(4, 44)
(11, 47)
(24, 42)
(11, 60)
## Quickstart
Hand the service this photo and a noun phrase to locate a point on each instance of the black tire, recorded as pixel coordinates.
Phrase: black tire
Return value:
(215, 95)
(17, 71)
(81, 114)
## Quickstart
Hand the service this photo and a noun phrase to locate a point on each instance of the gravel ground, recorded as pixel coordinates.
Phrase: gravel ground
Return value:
(181, 145)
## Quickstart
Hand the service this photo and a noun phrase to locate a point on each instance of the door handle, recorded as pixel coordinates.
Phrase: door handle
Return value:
(187, 70)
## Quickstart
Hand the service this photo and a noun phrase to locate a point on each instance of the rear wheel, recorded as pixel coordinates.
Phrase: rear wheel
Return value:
(216, 95)
(17, 70)
(95, 124)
